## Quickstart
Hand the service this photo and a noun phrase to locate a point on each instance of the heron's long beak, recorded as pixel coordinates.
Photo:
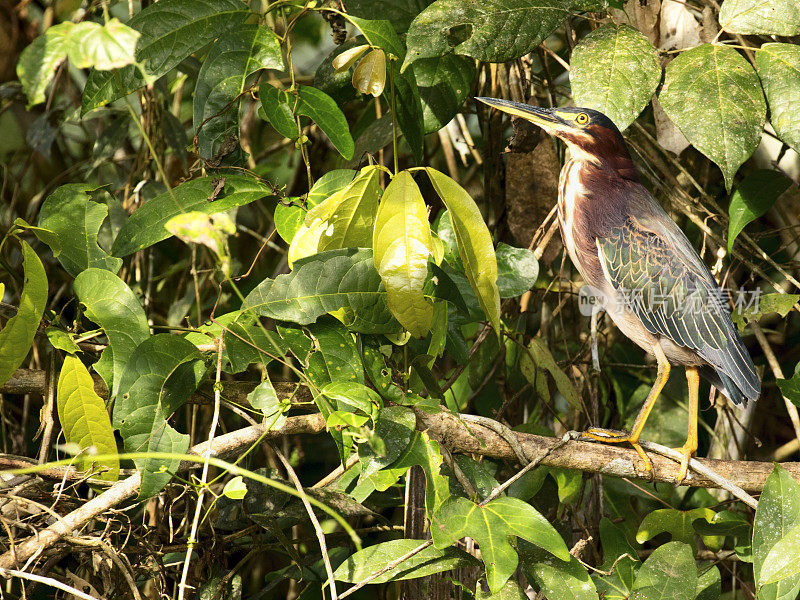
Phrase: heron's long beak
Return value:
(543, 117)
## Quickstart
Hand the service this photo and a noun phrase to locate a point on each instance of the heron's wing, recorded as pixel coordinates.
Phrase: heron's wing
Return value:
(656, 271)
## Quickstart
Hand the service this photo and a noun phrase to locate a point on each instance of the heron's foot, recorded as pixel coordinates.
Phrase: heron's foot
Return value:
(612, 436)
(687, 452)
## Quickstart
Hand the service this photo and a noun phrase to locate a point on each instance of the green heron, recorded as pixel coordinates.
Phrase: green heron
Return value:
(651, 281)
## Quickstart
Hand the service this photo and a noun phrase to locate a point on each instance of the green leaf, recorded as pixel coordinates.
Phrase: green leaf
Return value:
(72, 214)
(783, 560)
(17, 336)
(84, 418)
(709, 585)
(408, 109)
(170, 30)
(616, 70)
(754, 197)
(557, 579)
(104, 47)
(44, 235)
(678, 523)
(380, 33)
(488, 30)
(539, 358)
(424, 452)
(777, 514)
(61, 339)
(38, 61)
(491, 526)
(145, 227)
(444, 83)
(265, 399)
(235, 488)
(326, 282)
(426, 562)
(518, 270)
(351, 396)
(748, 310)
(395, 426)
(369, 76)
(713, 96)
(778, 66)
(669, 573)
(288, 219)
(474, 243)
(247, 342)
(760, 17)
(276, 111)
(510, 591)
(399, 13)
(159, 377)
(113, 306)
(322, 109)
(222, 79)
(618, 584)
(401, 245)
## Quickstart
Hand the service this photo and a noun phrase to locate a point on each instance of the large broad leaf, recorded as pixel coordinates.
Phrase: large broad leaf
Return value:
(538, 359)
(615, 69)
(76, 218)
(669, 573)
(474, 243)
(170, 31)
(490, 30)
(783, 560)
(380, 33)
(754, 197)
(557, 579)
(276, 111)
(778, 66)
(713, 95)
(399, 13)
(444, 83)
(322, 109)
(145, 227)
(161, 374)
(401, 246)
(777, 514)
(679, 524)
(395, 427)
(760, 17)
(491, 526)
(622, 569)
(222, 78)
(426, 562)
(84, 418)
(87, 44)
(408, 108)
(17, 335)
(326, 282)
(113, 306)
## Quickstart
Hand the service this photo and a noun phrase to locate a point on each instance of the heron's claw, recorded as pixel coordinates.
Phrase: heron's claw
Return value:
(686, 455)
(611, 436)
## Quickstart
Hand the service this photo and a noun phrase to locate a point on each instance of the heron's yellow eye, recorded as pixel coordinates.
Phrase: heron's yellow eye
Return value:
(582, 119)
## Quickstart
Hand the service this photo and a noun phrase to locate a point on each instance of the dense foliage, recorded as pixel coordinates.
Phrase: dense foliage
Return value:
(271, 278)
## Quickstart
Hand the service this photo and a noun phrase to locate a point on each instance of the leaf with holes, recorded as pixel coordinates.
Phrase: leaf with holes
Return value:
(778, 66)
(84, 418)
(225, 73)
(713, 96)
(615, 69)
(71, 213)
(161, 374)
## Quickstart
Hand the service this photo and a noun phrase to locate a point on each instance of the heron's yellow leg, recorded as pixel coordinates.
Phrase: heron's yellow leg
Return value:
(690, 447)
(618, 437)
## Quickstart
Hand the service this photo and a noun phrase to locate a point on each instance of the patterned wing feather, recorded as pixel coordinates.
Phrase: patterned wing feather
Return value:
(652, 264)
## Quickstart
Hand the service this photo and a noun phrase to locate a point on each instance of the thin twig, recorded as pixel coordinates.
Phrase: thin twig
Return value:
(47, 581)
(314, 521)
(198, 510)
